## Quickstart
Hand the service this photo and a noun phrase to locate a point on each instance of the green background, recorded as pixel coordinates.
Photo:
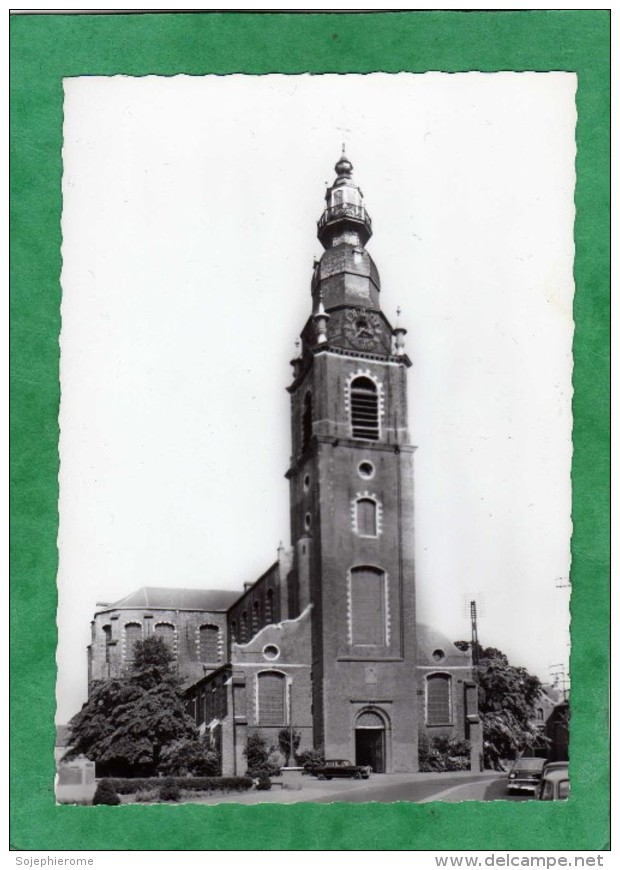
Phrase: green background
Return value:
(46, 48)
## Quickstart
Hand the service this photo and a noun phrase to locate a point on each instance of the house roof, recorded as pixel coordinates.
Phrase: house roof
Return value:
(162, 598)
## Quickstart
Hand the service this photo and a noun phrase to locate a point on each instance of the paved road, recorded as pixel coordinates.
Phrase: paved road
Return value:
(384, 789)
(419, 788)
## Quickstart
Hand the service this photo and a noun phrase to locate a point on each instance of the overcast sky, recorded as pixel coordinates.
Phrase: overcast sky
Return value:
(189, 230)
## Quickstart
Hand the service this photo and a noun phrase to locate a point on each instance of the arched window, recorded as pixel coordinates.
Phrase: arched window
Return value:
(133, 633)
(306, 421)
(367, 627)
(209, 636)
(367, 517)
(165, 630)
(243, 630)
(364, 409)
(269, 607)
(438, 699)
(107, 635)
(271, 698)
(233, 629)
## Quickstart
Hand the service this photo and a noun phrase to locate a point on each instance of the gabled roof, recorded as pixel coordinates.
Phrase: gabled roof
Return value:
(162, 598)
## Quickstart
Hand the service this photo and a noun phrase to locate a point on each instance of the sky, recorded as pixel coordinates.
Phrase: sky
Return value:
(189, 231)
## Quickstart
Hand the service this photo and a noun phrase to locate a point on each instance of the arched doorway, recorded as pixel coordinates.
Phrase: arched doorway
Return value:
(370, 741)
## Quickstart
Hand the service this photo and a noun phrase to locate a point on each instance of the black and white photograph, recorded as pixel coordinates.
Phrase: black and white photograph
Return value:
(315, 438)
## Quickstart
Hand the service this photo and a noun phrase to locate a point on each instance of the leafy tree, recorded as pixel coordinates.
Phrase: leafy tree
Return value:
(507, 697)
(289, 741)
(260, 758)
(128, 721)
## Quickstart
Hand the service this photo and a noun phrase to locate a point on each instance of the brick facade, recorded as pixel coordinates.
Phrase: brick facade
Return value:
(326, 640)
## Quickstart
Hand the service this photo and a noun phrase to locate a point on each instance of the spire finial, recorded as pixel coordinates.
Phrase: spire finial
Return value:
(344, 167)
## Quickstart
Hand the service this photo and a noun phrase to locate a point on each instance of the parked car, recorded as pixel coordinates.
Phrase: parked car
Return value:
(340, 767)
(554, 785)
(525, 774)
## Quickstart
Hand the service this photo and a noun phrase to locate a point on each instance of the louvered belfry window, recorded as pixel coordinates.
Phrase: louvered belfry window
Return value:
(209, 647)
(367, 607)
(364, 409)
(438, 706)
(272, 699)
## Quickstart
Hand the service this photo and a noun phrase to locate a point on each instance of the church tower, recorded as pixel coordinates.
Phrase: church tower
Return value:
(351, 493)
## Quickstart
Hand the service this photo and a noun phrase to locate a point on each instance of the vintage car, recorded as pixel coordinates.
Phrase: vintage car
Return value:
(340, 767)
(554, 785)
(525, 775)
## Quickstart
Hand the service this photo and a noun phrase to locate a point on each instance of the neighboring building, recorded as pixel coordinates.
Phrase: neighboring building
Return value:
(326, 641)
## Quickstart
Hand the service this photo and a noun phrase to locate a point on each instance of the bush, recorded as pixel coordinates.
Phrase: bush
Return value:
(264, 783)
(169, 790)
(106, 794)
(189, 758)
(191, 783)
(310, 758)
(145, 796)
(441, 753)
(260, 759)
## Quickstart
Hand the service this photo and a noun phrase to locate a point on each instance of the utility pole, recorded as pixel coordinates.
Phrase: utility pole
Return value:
(474, 632)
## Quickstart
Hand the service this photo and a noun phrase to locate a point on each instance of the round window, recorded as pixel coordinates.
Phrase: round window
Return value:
(271, 651)
(439, 655)
(306, 483)
(307, 522)
(366, 470)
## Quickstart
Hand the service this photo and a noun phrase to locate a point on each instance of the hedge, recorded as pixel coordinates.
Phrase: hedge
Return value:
(190, 783)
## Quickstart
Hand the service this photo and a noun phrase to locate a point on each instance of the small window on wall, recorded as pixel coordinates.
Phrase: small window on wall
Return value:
(364, 409)
(306, 421)
(243, 629)
(209, 643)
(271, 698)
(367, 517)
(133, 633)
(367, 626)
(438, 700)
(107, 635)
(165, 631)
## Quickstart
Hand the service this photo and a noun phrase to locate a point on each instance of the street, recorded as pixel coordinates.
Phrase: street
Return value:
(387, 788)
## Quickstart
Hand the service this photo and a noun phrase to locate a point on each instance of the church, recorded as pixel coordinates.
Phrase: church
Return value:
(326, 641)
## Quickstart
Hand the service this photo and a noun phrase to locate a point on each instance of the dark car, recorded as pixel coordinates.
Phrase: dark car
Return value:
(341, 767)
(525, 775)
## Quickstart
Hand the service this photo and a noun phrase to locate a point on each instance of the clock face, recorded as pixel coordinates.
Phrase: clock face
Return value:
(362, 328)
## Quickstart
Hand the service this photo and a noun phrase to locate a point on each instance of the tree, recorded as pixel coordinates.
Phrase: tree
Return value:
(128, 721)
(260, 758)
(506, 703)
(289, 741)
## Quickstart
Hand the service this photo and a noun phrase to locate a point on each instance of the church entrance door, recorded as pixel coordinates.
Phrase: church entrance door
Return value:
(370, 741)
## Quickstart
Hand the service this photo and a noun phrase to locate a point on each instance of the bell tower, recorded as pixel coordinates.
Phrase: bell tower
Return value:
(351, 495)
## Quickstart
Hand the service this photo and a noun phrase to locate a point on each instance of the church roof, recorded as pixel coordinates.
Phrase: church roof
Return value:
(162, 598)
(435, 649)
